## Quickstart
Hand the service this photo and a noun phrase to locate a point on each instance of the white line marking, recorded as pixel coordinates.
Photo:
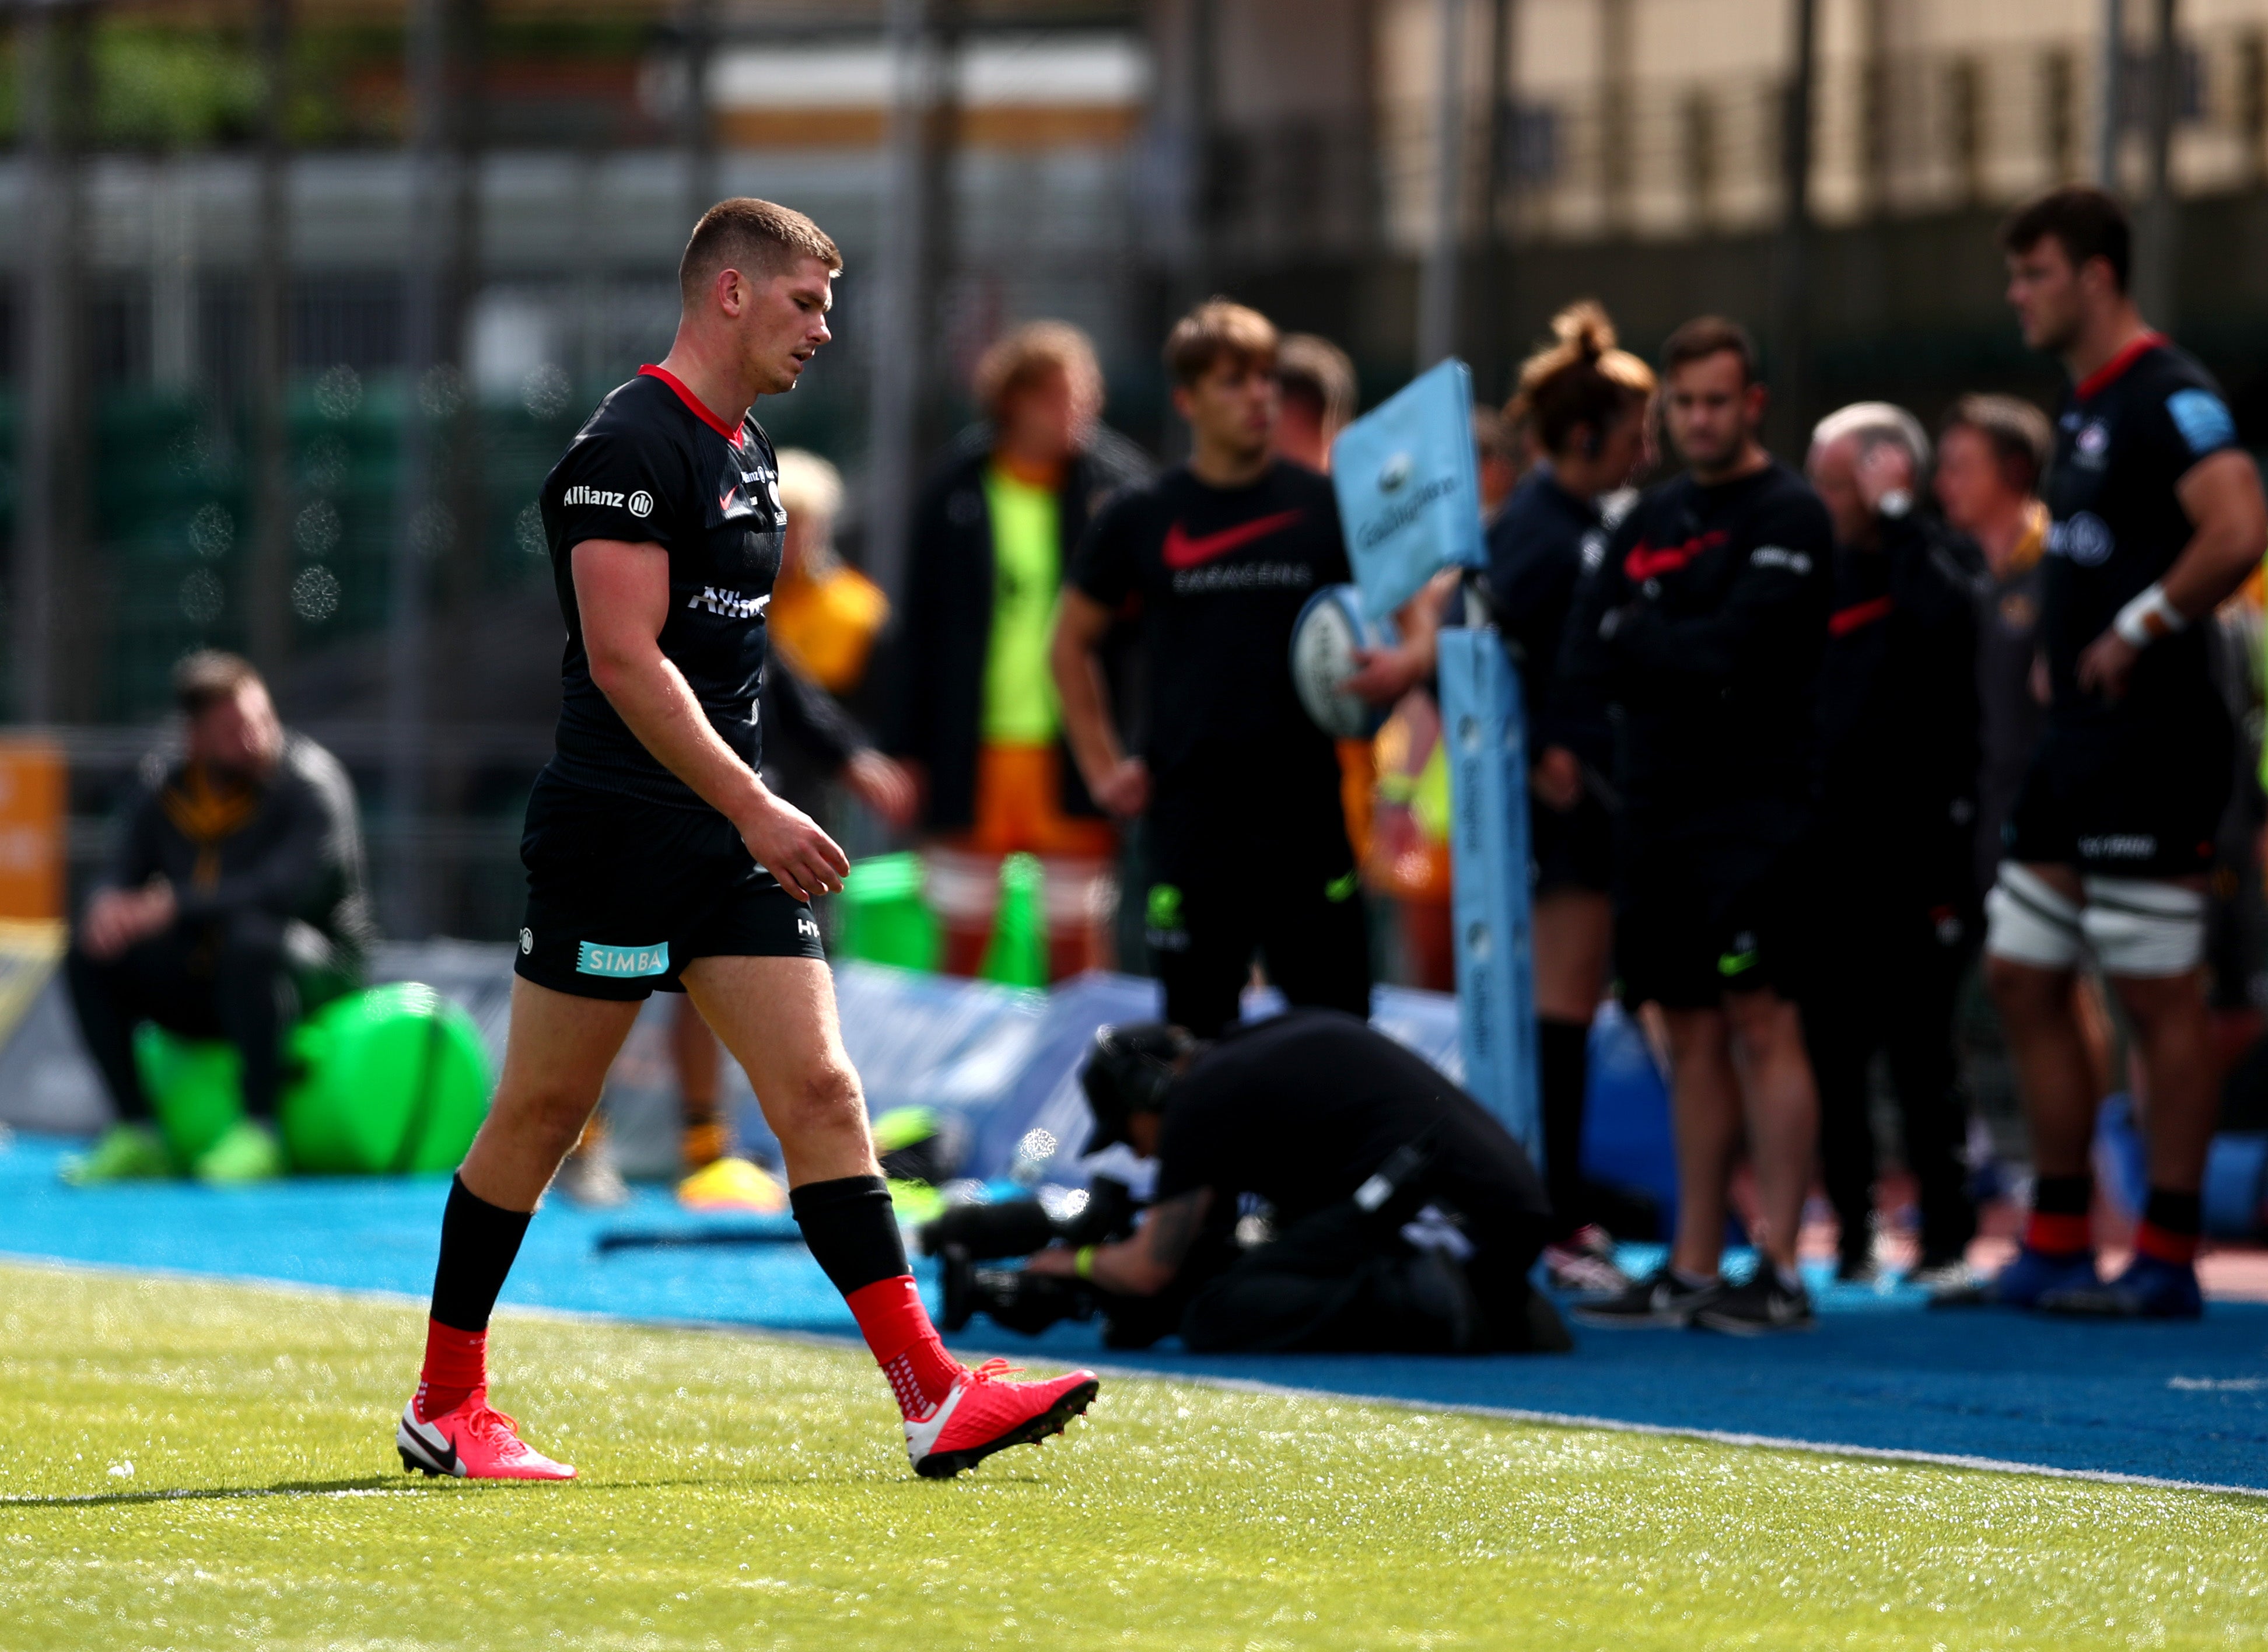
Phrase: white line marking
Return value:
(1228, 1384)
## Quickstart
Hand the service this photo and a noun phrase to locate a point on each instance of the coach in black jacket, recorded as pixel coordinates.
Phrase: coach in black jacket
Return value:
(943, 638)
(1897, 807)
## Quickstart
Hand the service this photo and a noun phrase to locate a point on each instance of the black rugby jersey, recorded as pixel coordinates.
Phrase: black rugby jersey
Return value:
(2127, 434)
(1221, 575)
(653, 465)
(1703, 629)
(1540, 547)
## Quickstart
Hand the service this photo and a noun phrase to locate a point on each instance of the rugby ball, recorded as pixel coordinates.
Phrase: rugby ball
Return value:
(1324, 638)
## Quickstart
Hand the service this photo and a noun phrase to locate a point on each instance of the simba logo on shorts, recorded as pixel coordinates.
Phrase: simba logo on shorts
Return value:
(621, 962)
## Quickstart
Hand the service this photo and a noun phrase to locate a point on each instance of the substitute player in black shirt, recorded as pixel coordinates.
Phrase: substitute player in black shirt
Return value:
(2157, 516)
(1703, 628)
(1239, 789)
(658, 858)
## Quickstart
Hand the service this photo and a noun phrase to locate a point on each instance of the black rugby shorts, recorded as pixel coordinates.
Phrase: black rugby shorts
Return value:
(1697, 919)
(621, 894)
(1571, 849)
(2136, 798)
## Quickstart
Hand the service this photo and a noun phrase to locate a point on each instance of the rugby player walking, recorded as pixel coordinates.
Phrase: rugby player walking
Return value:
(657, 858)
(2157, 516)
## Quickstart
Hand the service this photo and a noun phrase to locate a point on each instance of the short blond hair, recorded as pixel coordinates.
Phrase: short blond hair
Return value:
(808, 485)
(761, 236)
(1215, 329)
(1017, 359)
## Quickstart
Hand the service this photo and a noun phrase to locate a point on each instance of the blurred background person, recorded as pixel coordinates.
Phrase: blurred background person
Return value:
(1501, 452)
(234, 903)
(1991, 452)
(1895, 831)
(1320, 398)
(1702, 628)
(2159, 519)
(1585, 402)
(974, 713)
(1238, 789)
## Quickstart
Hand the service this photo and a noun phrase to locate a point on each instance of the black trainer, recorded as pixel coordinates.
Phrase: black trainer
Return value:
(1757, 1308)
(1660, 1299)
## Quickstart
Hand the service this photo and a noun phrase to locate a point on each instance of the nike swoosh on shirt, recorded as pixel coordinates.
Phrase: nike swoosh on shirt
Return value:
(1183, 551)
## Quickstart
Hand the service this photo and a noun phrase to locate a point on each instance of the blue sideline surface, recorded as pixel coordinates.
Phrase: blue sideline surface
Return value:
(2182, 1402)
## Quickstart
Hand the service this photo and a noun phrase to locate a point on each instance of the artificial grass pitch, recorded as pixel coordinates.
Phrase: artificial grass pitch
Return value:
(192, 1464)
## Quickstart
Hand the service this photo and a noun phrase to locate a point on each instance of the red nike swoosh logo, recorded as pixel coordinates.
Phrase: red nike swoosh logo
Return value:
(1844, 620)
(1183, 551)
(1645, 562)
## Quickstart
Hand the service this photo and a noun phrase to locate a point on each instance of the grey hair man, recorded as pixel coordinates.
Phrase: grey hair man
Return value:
(1897, 805)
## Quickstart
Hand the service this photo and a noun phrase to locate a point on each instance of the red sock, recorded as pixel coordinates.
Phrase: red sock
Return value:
(2180, 1248)
(904, 1343)
(456, 1363)
(2057, 1235)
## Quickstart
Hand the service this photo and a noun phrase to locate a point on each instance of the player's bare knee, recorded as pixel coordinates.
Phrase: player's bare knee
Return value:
(824, 1099)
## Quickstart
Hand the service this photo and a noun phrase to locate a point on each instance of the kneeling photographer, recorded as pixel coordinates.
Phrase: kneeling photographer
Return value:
(1319, 1187)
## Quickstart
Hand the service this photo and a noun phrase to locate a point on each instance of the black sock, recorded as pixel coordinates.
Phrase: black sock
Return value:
(478, 1243)
(851, 1229)
(2182, 1213)
(2064, 1195)
(1563, 1068)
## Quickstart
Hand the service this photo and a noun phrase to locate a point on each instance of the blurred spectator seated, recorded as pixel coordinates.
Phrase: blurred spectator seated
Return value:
(975, 714)
(234, 902)
(1318, 1187)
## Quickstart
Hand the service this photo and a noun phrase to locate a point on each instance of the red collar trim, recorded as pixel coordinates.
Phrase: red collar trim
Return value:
(691, 400)
(2103, 377)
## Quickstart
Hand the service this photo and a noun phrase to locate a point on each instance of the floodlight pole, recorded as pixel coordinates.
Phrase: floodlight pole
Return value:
(2155, 262)
(698, 114)
(1792, 276)
(900, 308)
(407, 701)
(267, 569)
(50, 509)
(1438, 284)
(1496, 274)
(2110, 116)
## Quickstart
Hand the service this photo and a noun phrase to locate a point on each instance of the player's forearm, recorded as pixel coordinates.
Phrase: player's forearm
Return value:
(657, 705)
(2219, 558)
(2222, 496)
(1085, 702)
(1126, 1270)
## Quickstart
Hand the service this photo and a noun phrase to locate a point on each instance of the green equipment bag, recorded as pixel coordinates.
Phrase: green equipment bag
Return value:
(393, 1080)
(390, 1081)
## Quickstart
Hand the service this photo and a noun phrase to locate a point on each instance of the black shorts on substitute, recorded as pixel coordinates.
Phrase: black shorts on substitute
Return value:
(1694, 925)
(2127, 801)
(622, 895)
(1571, 849)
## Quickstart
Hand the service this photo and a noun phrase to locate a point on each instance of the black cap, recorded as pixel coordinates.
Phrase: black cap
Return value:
(1128, 1071)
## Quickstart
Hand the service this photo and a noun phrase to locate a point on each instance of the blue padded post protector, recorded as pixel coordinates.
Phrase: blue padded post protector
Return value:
(1484, 731)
